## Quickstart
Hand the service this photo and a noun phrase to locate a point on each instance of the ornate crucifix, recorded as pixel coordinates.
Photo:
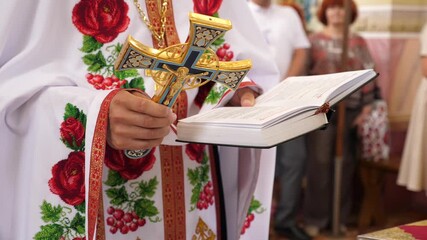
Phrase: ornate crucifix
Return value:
(184, 66)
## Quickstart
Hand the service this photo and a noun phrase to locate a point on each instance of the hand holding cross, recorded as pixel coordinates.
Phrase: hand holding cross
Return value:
(173, 67)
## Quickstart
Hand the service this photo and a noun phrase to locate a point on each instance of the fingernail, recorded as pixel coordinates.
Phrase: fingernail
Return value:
(247, 103)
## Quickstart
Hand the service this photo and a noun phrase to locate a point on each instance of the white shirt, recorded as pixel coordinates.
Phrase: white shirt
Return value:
(282, 30)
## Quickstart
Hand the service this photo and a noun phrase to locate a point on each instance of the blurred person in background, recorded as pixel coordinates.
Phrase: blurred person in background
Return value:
(326, 57)
(413, 166)
(284, 32)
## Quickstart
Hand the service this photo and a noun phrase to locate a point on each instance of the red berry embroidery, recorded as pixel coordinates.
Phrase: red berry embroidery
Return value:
(249, 218)
(123, 221)
(206, 197)
(223, 52)
(107, 83)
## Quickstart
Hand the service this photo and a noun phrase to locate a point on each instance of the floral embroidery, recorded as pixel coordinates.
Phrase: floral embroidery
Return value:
(73, 128)
(202, 193)
(60, 225)
(68, 179)
(254, 208)
(100, 22)
(128, 168)
(68, 182)
(207, 7)
(101, 19)
(195, 151)
(129, 211)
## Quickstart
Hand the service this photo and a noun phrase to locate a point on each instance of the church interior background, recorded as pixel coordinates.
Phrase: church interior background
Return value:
(391, 28)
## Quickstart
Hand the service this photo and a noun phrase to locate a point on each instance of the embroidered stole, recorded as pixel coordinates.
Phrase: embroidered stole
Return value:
(172, 162)
(171, 157)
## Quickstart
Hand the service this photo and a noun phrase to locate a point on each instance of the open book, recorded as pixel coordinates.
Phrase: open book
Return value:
(290, 109)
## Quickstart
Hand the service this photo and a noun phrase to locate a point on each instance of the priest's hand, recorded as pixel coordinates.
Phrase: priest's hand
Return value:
(244, 97)
(136, 122)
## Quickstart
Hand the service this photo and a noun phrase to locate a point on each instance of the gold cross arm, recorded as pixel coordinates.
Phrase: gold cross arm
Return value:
(187, 65)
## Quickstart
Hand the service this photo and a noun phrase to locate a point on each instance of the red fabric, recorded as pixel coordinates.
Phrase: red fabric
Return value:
(418, 232)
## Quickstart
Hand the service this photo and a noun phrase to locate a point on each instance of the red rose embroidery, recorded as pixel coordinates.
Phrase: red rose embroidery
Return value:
(195, 151)
(72, 132)
(68, 179)
(128, 168)
(207, 7)
(101, 19)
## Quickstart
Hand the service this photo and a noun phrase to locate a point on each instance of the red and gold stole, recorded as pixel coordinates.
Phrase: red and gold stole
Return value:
(172, 163)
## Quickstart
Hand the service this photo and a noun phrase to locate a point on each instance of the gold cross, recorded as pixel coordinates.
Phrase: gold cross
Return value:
(188, 65)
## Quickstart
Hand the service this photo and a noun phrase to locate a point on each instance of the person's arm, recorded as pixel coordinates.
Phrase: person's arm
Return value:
(298, 64)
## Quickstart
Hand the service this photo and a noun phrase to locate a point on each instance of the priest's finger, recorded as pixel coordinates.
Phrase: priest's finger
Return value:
(247, 98)
(243, 97)
(125, 137)
(126, 108)
(134, 132)
(141, 104)
(138, 119)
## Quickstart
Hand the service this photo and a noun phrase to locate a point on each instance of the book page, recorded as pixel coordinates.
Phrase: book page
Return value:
(308, 90)
(295, 97)
(249, 116)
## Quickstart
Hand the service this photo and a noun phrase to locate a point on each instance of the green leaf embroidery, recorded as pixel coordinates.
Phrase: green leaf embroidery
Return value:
(205, 159)
(95, 61)
(126, 85)
(50, 213)
(195, 193)
(193, 176)
(82, 118)
(204, 173)
(126, 74)
(78, 223)
(49, 232)
(118, 48)
(148, 189)
(117, 195)
(137, 83)
(90, 44)
(198, 177)
(81, 208)
(145, 208)
(215, 94)
(114, 179)
(71, 111)
(255, 204)
(219, 41)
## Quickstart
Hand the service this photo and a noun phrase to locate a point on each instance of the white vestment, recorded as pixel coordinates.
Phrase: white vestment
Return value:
(44, 80)
(282, 30)
(413, 167)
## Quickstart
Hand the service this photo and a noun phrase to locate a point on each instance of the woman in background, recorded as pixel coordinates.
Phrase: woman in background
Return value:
(326, 57)
(413, 168)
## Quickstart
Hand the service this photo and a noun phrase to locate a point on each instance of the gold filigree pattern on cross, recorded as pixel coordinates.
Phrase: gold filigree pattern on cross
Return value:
(188, 65)
(136, 60)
